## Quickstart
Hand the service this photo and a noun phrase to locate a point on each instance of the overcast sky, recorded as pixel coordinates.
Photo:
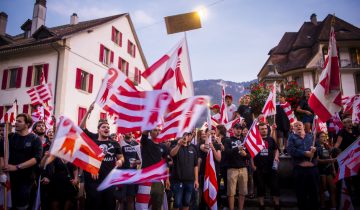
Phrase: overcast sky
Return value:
(233, 43)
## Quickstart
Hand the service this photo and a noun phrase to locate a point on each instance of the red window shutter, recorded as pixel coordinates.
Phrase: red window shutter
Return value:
(26, 108)
(129, 47)
(81, 114)
(120, 39)
(101, 57)
(4, 79)
(46, 72)
(127, 68)
(78, 79)
(139, 77)
(18, 77)
(112, 57)
(1, 111)
(29, 76)
(91, 78)
(103, 115)
(134, 54)
(136, 74)
(119, 64)
(113, 34)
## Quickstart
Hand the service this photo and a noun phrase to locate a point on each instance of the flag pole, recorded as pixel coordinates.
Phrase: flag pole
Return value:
(6, 161)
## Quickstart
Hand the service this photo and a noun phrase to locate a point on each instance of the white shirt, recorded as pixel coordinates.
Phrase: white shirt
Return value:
(230, 111)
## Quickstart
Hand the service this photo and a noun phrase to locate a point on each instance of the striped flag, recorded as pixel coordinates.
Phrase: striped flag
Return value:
(210, 181)
(223, 108)
(10, 115)
(270, 104)
(289, 112)
(253, 140)
(345, 202)
(356, 111)
(153, 173)
(72, 144)
(182, 116)
(326, 98)
(335, 124)
(143, 196)
(349, 161)
(172, 72)
(40, 94)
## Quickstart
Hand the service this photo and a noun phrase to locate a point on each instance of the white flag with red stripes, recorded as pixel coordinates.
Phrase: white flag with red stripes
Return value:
(139, 110)
(335, 124)
(346, 201)
(44, 113)
(356, 111)
(270, 104)
(319, 126)
(172, 72)
(349, 161)
(73, 145)
(210, 182)
(253, 140)
(223, 108)
(347, 103)
(182, 116)
(153, 173)
(10, 115)
(288, 111)
(326, 98)
(40, 94)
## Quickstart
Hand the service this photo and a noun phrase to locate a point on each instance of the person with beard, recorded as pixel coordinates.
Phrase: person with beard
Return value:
(39, 128)
(132, 160)
(306, 174)
(265, 174)
(25, 152)
(237, 175)
(112, 157)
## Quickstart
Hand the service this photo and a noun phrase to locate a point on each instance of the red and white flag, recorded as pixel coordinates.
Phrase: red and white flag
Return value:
(143, 196)
(210, 182)
(253, 140)
(349, 161)
(319, 126)
(345, 202)
(153, 173)
(335, 124)
(182, 116)
(231, 124)
(289, 112)
(10, 115)
(347, 103)
(43, 112)
(172, 72)
(326, 98)
(40, 94)
(270, 104)
(73, 145)
(223, 108)
(356, 110)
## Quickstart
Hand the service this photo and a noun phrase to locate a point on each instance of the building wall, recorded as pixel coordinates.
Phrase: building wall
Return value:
(308, 80)
(24, 60)
(348, 84)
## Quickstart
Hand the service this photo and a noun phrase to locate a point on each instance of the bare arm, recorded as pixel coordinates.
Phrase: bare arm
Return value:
(175, 150)
(83, 121)
(338, 141)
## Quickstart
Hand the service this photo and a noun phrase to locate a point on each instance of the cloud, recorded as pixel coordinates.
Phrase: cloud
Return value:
(140, 17)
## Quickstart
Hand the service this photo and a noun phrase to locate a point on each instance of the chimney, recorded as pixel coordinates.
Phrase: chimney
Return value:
(3, 22)
(313, 18)
(74, 19)
(39, 15)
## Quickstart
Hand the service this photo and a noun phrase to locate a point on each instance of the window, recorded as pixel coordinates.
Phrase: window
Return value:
(325, 54)
(81, 114)
(28, 108)
(103, 115)
(84, 80)
(11, 78)
(131, 48)
(299, 80)
(106, 56)
(137, 76)
(357, 82)
(116, 36)
(123, 65)
(37, 74)
(355, 57)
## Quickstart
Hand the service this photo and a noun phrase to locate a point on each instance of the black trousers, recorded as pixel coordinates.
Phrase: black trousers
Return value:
(307, 187)
(95, 200)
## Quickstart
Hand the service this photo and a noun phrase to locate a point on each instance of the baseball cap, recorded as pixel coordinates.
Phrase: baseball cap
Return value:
(228, 96)
(215, 106)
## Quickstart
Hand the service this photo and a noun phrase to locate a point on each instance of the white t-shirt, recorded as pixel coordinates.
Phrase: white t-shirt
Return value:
(230, 111)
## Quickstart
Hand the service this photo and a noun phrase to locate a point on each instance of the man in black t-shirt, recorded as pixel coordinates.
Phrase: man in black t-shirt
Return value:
(265, 170)
(347, 135)
(111, 149)
(246, 112)
(25, 152)
(151, 153)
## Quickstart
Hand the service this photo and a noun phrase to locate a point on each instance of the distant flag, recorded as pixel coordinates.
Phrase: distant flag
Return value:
(172, 72)
(10, 115)
(270, 104)
(223, 108)
(356, 111)
(40, 94)
(326, 98)
(335, 124)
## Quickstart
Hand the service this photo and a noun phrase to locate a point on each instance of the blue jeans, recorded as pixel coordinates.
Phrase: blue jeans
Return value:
(182, 193)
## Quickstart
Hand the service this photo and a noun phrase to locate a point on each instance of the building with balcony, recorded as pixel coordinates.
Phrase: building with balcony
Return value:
(300, 56)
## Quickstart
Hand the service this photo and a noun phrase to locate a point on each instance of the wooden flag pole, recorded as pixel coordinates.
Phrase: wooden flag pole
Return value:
(6, 161)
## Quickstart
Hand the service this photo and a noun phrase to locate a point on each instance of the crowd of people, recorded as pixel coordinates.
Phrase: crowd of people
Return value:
(239, 176)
